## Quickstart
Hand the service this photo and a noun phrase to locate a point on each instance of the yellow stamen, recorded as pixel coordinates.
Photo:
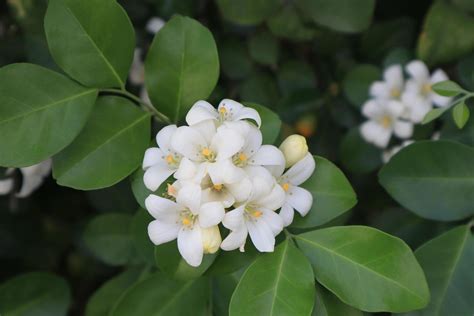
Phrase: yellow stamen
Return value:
(217, 187)
(171, 190)
(186, 221)
(242, 157)
(169, 159)
(257, 214)
(223, 110)
(395, 93)
(285, 186)
(206, 152)
(426, 88)
(386, 121)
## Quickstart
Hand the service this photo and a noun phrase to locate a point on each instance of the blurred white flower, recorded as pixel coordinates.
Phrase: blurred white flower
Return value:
(154, 25)
(32, 178)
(384, 120)
(392, 85)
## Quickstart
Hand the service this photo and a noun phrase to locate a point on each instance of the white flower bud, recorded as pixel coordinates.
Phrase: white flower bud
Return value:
(211, 239)
(294, 149)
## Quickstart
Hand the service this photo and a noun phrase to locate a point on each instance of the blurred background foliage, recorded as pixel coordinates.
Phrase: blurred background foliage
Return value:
(308, 60)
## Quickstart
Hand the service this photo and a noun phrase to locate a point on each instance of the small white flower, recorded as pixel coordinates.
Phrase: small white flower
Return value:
(384, 120)
(184, 220)
(211, 239)
(297, 198)
(228, 110)
(389, 153)
(161, 162)
(392, 85)
(256, 216)
(137, 70)
(154, 25)
(421, 81)
(294, 148)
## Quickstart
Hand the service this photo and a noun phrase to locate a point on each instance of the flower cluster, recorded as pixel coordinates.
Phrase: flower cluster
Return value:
(398, 103)
(222, 173)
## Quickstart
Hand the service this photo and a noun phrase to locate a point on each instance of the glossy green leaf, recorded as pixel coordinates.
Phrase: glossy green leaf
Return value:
(109, 148)
(357, 155)
(91, 40)
(357, 82)
(461, 114)
(169, 261)
(278, 283)
(446, 34)
(234, 58)
(34, 293)
(327, 304)
(433, 114)
(447, 88)
(139, 230)
(288, 24)
(181, 67)
(264, 48)
(260, 88)
(450, 131)
(366, 268)
(222, 289)
(433, 179)
(247, 12)
(117, 198)
(108, 238)
(447, 261)
(161, 296)
(104, 299)
(41, 112)
(271, 123)
(465, 71)
(295, 76)
(228, 262)
(332, 195)
(340, 15)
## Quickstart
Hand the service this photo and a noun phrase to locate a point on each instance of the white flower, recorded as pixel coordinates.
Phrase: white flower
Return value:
(32, 178)
(154, 25)
(294, 149)
(6, 186)
(184, 220)
(228, 110)
(211, 239)
(161, 162)
(391, 87)
(137, 70)
(297, 198)
(384, 120)
(256, 216)
(421, 82)
(389, 153)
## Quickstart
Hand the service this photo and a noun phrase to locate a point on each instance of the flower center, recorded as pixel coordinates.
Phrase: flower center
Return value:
(187, 219)
(395, 93)
(172, 160)
(285, 186)
(385, 121)
(222, 110)
(240, 159)
(208, 154)
(217, 187)
(426, 88)
(252, 212)
(171, 190)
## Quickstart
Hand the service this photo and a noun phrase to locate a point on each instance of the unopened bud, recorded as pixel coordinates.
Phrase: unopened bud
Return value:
(294, 149)
(211, 239)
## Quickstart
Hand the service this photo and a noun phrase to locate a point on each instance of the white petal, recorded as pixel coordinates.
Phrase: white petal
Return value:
(261, 235)
(224, 172)
(395, 108)
(226, 143)
(274, 221)
(207, 129)
(163, 138)
(261, 187)
(186, 170)
(418, 70)
(374, 133)
(393, 75)
(418, 109)
(249, 113)
(152, 157)
(439, 100)
(232, 108)
(6, 185)
(253, 141)
(235, 239)
(379, 90)
(287, 213)
(274, 200)
(30, 184)
(188, 142)
(240, 190)
(160, 232)
(300, 199)
(224, 196)
(438, 76)
(190, 245)
(403, 129)
(269, 155)
(190, 196)
(155, 176)
(413, 87)
(234, 219)
(201, 111)
(154, 25)
(161, 208)
(211, 214)
(301, 171)
(372, 109)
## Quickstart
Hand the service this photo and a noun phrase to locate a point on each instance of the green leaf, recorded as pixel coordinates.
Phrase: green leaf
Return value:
(108, 238)
(169, 261)
(140, 239)
(465, 71)
(161, 296)
(278, 283)
(447, 262)
(222, 289)
(327, 304)
(434, 114)
(234, 58)
(35, 293)
(104, 299)
(434, 179)
(357, 82)
(181, 67)
(264, 48)
(117, 198)
(357, 155)
(450, 131)
(271, 123)
(33, 98)
(366, 268)
(332, 195)
(447, 88)
(295, 76)
(287, 24)
(446, 35)
(461, 114)
(247, 12)
(109, 148)
(231, 261)
(340, 15)
(260, 88)
(91, 40)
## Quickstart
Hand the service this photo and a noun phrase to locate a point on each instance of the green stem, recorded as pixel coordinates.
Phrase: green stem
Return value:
(146, 106)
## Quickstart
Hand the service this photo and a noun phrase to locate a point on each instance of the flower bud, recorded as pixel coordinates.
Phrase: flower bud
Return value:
(211, 239)
(294, 149)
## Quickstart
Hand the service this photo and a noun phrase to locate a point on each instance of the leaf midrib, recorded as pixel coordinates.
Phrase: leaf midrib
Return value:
(360, 265)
